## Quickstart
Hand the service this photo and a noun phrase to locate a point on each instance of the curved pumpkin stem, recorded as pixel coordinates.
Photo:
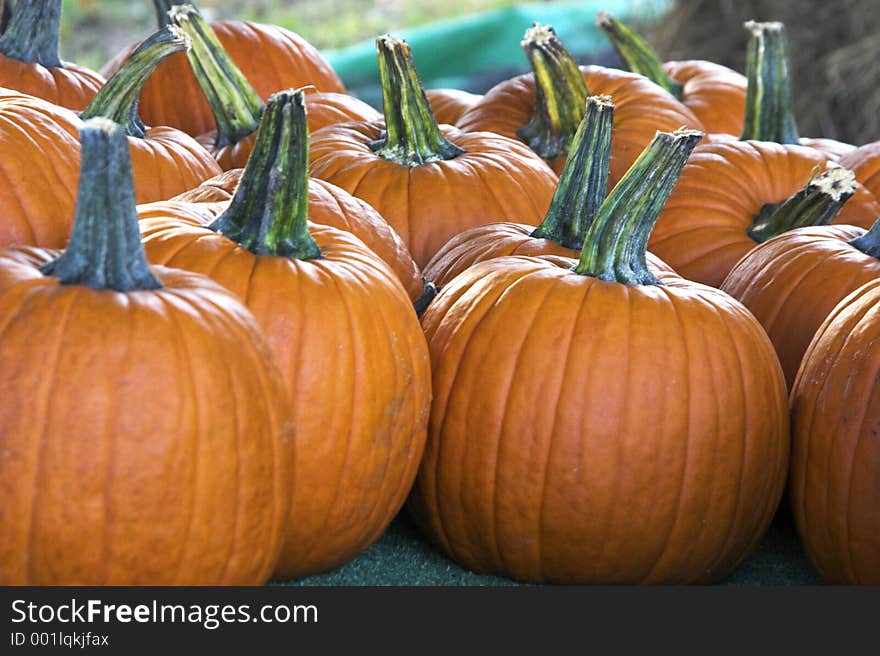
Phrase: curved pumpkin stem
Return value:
(118, 98)
(584, 180)
(33, 32)
(412, 136)
(162, 8)
(268, 215)
(105, 249)
(869, 243)
(234, 103)
(769, 116)
(635, 52)
(560, 94)
(616, 244)
(817, 203)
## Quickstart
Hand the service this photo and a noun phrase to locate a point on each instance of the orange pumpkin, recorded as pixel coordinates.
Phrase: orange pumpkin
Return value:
(331, 108)
(714, 93)
(29, 61)
(342, 329)
(327, 205)
(835, 469)
(546, 116)
(270, 57)
(578, 195)
(595, 423)
(793, 282)
(39, 152)
(430, 182)
(732, 195)
(449, 104)
(865, 163)
(145, 437)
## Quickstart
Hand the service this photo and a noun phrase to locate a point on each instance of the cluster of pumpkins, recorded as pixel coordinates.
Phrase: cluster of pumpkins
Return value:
(584, 327)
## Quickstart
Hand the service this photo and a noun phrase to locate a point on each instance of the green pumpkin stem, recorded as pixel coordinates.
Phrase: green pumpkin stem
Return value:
(268, 215)
(817, 203)
(33, 33)
(105, 249)
(635, 52)
(584, 180)
(560, 94)
(412, 136)
(118, 98)
(615, 246)
(162, 9)
(869, 243)
(234, 103)
(769, 114)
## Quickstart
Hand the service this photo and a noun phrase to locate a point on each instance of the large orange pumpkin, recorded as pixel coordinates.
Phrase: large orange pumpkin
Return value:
(144, 434)
(430, 182)
(593, 423)
(865, 163)
(578, 195)
(714, 93)
(270, 57)
(835, 469)
(792, 282)
(29, 60)
(343, 331)
(546, 116)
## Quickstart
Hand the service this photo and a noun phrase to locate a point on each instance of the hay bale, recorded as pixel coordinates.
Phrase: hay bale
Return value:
(833, 46)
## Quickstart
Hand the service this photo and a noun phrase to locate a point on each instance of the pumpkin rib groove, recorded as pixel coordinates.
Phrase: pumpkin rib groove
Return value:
(186, 371)
(49, 386)
(849, 565)
(22, 209)
(724, 550)
(686, 430)
(783, 297)
(573, 323)
(506, 401)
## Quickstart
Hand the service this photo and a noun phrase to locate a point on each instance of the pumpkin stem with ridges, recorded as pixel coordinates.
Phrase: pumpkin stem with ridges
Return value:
(615, 245)
(268, 215)
(584, 180)
(5, 14)
(118, 98)
(816, 204)
(33, 33)
(412, 136)
(234, 103)
(162, 9)
(105, 249)
(769, 114)
(869, 243)
(560, 94)
(635, 52)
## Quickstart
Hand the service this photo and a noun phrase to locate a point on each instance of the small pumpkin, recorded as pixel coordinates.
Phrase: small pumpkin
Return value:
(730, 190)
(594, 422)
(449, 104)
(792, 282)
(145, 437)
(29, 60)
(270, 57)
(578, 195)
(430, 182)
(342, 329)
(835, 468)
(865, 163)
(714, 93)
(545, 115)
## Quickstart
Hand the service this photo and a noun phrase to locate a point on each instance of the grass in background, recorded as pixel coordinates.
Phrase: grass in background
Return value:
(93, 31)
